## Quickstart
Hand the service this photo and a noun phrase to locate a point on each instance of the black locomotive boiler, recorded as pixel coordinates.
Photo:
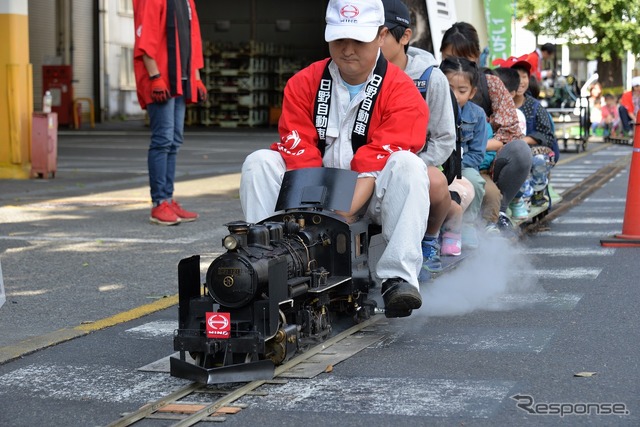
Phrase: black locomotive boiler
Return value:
(278, 286)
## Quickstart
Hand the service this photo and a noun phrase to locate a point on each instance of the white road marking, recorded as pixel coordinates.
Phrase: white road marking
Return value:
(617, 153)
(604, 200)
(156, 329)
(577, 252)
(385, 396)
(603, 233)
(587, 220)
(606, 209)
(573, 168)
(522, 340)
(560, 188)
(540, 301)
(558, 179)
(566, 273)
(89, 383)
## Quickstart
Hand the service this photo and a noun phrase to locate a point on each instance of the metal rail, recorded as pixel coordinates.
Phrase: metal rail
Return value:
(580, 191)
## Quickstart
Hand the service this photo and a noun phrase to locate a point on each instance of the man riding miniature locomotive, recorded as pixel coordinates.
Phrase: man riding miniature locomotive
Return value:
(359, 112)
(350, 129)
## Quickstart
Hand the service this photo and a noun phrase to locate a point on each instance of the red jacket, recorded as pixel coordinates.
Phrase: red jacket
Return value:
(149, 17)
(626, 100)
(398, 122)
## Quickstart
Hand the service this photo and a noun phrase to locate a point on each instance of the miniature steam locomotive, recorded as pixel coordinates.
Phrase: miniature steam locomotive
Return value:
(279, 285)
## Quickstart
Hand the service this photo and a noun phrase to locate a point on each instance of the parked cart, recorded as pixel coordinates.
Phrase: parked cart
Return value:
(572, 125)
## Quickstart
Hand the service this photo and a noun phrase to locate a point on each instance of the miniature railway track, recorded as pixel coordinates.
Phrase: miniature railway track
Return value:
(171, 407)
(624, 140)
(579, 192)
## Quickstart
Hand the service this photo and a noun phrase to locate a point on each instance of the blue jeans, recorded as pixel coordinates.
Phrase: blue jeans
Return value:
(625, 118)
(167, 133)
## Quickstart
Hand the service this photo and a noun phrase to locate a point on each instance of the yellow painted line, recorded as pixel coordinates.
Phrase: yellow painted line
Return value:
(34, 344)
(132, 314)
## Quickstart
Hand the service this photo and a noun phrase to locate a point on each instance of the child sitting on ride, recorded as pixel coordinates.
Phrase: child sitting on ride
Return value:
(511, 80)
(421, 66)
(463, 80)
(541, 139)
(610, 123)
(595, 117)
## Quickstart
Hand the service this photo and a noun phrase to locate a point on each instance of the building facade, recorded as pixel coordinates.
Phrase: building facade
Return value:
(95, 38)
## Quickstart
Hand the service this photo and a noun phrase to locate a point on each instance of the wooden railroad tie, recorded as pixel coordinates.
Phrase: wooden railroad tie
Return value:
(192, 408)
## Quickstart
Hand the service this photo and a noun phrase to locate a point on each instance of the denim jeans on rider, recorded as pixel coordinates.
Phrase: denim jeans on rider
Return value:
(167, 133)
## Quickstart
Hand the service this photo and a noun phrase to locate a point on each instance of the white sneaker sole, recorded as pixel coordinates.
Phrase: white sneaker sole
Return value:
(158, 222)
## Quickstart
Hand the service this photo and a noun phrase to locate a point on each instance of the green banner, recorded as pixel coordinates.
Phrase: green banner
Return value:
(499, 16)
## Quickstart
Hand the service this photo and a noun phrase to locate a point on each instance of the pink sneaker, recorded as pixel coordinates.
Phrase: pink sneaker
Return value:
(451, 244)
(163, 214)
(185, 216)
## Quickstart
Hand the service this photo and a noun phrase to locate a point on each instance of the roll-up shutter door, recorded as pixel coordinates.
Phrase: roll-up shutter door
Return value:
(82, 21)
(42, 42)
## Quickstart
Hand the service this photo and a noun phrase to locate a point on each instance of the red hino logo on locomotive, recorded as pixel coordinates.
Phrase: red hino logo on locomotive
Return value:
(349, 12)
(218, 325)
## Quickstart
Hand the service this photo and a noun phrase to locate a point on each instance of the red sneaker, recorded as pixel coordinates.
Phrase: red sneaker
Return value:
(185, 216)
(163, 214)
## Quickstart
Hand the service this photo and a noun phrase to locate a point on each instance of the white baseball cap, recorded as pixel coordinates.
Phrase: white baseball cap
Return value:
(635, 81)
(353, 19)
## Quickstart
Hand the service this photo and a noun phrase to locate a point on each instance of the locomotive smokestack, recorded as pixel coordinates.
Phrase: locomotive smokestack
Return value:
(237, 227)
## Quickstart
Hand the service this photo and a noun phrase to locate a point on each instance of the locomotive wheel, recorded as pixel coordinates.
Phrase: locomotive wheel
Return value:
(198, 357)
(276, 347)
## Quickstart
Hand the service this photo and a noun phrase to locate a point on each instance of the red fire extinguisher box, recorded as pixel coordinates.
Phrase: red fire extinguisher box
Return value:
(44, 145)
(58, 79)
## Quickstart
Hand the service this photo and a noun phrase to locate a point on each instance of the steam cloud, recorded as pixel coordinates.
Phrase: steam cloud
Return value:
(496, 269)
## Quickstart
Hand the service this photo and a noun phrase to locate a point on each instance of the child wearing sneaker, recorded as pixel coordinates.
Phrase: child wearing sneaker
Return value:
(422, 67)
(512, 82)
(540, 138)
(467, 192)
(462, 194)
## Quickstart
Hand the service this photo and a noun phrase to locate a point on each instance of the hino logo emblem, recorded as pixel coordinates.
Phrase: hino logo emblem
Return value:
(349, 11)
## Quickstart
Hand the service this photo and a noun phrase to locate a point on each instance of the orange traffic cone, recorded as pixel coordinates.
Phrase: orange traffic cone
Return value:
(630, 236)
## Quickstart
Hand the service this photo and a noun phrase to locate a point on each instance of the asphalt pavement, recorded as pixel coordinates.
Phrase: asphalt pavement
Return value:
(78, 248)
(543, 332)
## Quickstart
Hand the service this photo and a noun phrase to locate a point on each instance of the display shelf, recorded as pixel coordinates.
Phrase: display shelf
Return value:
(245, 82)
